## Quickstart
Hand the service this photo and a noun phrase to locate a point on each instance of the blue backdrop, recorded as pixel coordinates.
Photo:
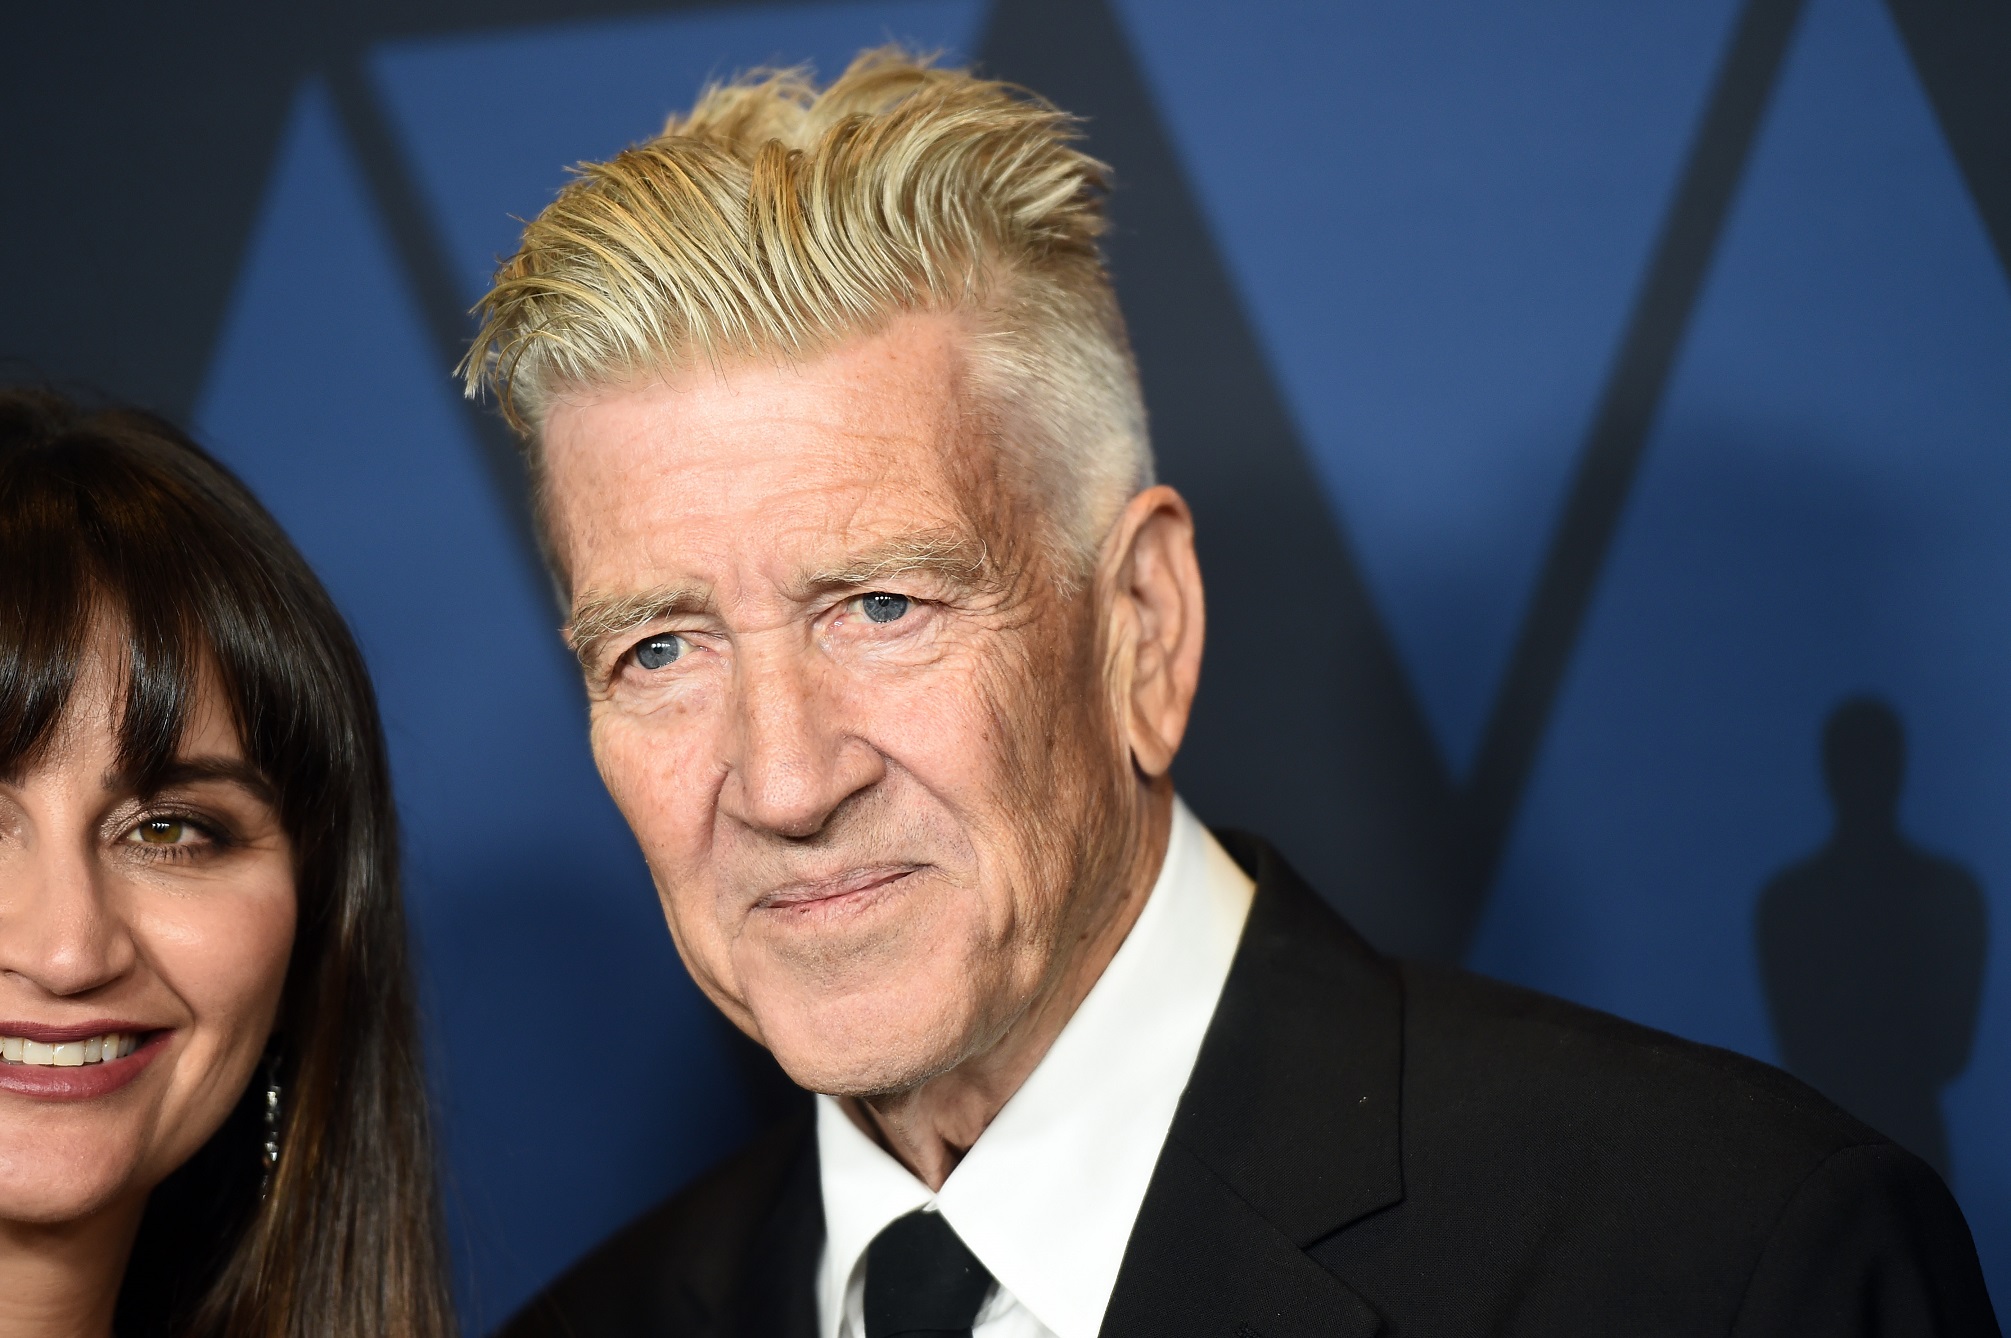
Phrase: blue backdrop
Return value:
(1436, 221)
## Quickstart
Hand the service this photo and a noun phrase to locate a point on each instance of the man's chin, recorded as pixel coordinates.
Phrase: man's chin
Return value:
(880, 1062)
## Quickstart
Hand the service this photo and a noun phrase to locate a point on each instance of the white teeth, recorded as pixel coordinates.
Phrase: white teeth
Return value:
(68, 1054)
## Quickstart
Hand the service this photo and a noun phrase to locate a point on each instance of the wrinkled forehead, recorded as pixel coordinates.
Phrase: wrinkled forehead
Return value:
(762, 472)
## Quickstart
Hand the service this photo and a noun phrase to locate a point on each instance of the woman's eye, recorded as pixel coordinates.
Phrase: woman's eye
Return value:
(883, 608)
(163, 832)
(657, 651)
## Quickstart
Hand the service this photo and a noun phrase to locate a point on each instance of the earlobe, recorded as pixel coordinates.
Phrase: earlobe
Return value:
(1158, 594)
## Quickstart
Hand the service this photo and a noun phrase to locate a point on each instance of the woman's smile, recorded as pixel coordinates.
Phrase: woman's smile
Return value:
(76, 1062)
(201, 941)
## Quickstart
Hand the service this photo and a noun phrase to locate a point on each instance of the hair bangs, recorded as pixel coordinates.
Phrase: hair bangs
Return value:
(45, 611)
(101, 560)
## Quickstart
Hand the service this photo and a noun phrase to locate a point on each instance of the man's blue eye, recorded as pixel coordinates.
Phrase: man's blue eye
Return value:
(658, 651)
(883, 608)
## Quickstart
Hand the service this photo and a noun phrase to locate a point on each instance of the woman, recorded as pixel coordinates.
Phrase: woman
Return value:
(212, 1116)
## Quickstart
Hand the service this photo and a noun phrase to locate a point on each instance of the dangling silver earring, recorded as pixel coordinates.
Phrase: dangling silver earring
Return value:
(269, 1152)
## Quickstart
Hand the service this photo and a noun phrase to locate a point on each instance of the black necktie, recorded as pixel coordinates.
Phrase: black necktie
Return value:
(921, 1280)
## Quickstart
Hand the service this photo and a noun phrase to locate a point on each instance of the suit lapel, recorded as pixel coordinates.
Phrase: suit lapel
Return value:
(1288, 1132)
(777, 1293)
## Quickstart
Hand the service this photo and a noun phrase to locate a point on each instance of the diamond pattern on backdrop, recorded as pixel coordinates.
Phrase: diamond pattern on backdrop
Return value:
(1438, 290)
(1821, 513)
(1438, 221)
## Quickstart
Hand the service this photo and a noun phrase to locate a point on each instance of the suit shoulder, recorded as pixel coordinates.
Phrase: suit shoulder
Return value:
(1871, 1243)
(664, 1272)
(1528, 1051)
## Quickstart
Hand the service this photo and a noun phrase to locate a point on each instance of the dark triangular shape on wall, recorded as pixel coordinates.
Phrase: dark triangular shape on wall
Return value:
(133, 269)
(1306, 730)
(1610, 458)
(1961, 50)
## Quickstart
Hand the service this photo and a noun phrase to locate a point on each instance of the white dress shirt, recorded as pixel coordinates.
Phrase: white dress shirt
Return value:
(1047, 1196)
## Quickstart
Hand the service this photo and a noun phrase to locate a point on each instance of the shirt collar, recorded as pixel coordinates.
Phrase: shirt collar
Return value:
(1047, 1196)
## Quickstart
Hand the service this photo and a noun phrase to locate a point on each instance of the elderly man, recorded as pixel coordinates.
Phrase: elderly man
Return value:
(890, 639)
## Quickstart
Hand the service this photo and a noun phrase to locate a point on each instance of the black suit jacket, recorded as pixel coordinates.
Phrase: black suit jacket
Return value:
(1377, 1147)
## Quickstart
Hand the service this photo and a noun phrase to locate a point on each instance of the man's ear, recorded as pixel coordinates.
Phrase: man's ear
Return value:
(1155, 623)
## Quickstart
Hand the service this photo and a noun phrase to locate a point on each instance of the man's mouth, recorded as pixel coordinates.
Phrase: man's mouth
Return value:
(821, 892)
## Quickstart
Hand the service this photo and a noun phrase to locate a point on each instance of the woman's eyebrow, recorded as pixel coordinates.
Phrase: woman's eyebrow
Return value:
(196, 770)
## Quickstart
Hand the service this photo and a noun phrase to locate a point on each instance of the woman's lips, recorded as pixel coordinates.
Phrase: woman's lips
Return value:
(47, 1034)
(64, 1081)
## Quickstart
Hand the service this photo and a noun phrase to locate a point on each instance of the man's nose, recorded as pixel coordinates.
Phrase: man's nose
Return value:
(794, 757)
(59, 931)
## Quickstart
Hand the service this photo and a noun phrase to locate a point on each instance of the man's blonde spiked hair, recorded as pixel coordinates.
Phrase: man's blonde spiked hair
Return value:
(776, 220)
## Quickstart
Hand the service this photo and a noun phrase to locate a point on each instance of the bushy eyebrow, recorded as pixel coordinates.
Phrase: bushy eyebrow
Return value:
(598, 617)
(954, 556)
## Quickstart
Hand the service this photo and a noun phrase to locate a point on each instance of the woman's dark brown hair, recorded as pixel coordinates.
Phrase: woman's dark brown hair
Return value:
(111, 517)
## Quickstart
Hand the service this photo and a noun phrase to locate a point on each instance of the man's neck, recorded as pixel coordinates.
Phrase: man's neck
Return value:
(929, 1128)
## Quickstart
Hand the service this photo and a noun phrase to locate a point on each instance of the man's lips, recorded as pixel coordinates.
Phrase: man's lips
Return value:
(820, 892)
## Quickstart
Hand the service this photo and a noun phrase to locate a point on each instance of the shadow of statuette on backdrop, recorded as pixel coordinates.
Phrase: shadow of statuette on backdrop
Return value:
(1872, 949)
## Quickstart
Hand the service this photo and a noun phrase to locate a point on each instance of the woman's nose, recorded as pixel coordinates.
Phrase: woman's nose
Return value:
(59, 928)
